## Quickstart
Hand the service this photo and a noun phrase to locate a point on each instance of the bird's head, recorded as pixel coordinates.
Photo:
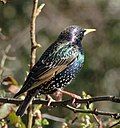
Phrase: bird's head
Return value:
(74, 33)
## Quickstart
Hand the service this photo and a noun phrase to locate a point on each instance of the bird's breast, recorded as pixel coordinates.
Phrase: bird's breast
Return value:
(66, 76)
(75, 67)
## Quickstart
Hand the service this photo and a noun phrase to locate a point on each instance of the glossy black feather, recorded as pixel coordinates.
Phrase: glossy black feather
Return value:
(56, 67)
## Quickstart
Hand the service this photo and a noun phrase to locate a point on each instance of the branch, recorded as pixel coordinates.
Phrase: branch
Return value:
(4, 58)
(98, 120)
(64, 102)
(95, 112)
(2, 36)
(68, 103)
(115, 124)
(35, 12)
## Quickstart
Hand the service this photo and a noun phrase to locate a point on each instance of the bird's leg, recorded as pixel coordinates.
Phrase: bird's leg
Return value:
(58, 95)
(70, 94)
(74, 96)
(50, 99)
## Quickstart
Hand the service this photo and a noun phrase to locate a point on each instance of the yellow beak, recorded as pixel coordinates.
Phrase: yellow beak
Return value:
(88, 31)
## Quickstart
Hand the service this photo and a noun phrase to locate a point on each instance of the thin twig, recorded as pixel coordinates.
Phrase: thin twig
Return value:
(2, 36)
(118, 123)
(4, 58)
(32, 34)
(98, 120)
(96, 112)
(30, 116)
(35, 12)
(33, 55)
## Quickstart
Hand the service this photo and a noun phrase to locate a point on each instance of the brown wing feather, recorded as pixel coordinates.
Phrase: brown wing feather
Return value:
(52, 72)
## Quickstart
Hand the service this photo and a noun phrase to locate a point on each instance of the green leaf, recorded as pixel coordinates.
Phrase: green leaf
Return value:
(16, 121)
(45, 122)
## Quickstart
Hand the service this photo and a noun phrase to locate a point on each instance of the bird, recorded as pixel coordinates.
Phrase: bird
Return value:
(56, 67)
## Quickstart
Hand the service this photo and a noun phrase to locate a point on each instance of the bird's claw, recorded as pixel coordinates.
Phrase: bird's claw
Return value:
(74, 96)
(74, 102)
(50, 99)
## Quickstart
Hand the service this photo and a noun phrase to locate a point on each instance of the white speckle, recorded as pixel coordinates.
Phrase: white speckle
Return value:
(57, 84)
(53, 85)
(61, 81)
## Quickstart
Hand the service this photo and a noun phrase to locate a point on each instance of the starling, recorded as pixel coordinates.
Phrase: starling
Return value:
(57, 66)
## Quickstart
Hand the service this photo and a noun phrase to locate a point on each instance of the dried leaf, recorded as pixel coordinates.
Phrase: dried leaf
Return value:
(11, 83)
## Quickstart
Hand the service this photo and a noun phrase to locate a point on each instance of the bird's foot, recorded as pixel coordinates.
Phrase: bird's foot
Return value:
(77, 105)
(74, 96)
(50, 99)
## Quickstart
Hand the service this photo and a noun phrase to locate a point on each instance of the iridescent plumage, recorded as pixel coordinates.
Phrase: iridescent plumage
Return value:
(57, 66)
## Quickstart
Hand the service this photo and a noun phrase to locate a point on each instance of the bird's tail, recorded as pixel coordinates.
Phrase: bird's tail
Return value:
(24, 104)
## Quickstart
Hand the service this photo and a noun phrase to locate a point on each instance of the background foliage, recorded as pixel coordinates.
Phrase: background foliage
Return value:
(101, 72)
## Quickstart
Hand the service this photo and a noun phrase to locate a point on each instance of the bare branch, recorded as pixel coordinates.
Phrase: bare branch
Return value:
(68, 104)
(98, 120)
(65, 102)
(95, 112)
(4, 58)
(2, 36)
(115, 124)
(35, 12)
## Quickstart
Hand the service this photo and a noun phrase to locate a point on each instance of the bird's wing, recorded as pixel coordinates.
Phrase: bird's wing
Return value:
(50, 66)
(51, 72)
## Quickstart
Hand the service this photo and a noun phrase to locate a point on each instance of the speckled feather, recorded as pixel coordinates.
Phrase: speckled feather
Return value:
(57, 66)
